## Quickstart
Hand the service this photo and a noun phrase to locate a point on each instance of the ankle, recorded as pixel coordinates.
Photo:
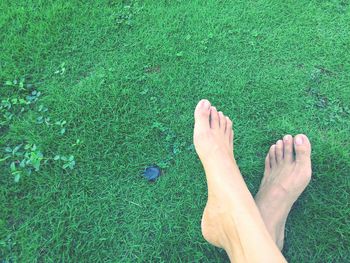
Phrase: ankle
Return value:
(218, 155)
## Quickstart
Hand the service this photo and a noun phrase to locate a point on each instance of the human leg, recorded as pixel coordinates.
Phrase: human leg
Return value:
(231, 219)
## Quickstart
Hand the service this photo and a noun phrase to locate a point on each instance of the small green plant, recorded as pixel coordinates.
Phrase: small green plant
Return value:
(18, 84)
(5, 110)
(42, 118)
(23, 159)
(33, 96)
(62, 69)
(42, 108)
(77, 143)
(10, 107)
(180, 54)
(18, 100)
(61, 124)
(127, 13)
(68, 161)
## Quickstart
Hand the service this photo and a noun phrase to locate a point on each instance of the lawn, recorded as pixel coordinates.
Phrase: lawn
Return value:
(92, 92)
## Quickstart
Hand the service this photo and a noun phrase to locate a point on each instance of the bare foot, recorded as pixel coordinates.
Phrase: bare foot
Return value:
(231, 220)
(285, 178)
(213, 140)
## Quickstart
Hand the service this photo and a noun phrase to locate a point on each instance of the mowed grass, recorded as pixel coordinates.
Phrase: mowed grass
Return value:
(133, 72)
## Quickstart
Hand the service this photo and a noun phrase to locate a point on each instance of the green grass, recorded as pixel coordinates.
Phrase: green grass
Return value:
(133, 72)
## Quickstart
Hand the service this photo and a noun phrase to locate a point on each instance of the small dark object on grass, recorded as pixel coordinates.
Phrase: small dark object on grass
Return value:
(152, 172)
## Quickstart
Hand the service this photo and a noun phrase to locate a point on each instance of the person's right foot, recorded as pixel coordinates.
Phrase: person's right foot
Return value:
(285, 178)
(213, 140)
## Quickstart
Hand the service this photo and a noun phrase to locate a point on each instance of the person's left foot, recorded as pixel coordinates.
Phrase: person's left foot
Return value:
(285, 178)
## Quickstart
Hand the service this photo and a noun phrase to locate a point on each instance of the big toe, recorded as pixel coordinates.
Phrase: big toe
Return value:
(201, 114)
(302, 147)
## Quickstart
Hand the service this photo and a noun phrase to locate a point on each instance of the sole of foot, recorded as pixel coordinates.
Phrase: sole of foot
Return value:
(287, 173)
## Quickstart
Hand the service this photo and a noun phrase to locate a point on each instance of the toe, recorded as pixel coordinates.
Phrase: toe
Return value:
(222, 121)
(272, 156)
(288, 148)
(228, 126)
(302, 147)
(229, 131)
(267, 165)
(201, 114)
(214, 118)
(279, 151)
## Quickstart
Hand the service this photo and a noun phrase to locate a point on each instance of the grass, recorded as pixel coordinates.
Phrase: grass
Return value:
(122, 79)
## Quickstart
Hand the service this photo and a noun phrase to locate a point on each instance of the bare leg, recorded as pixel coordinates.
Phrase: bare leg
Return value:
(231, 219)
(285, 178)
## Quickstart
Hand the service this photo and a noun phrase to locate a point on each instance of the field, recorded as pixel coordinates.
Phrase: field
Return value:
(93, 92)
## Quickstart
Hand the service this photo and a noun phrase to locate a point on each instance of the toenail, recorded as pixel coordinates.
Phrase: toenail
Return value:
(298, 140)
(287, 138)
(206, 103)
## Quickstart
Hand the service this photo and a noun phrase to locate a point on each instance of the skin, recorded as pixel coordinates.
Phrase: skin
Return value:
(286, 176)
(231, 219)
